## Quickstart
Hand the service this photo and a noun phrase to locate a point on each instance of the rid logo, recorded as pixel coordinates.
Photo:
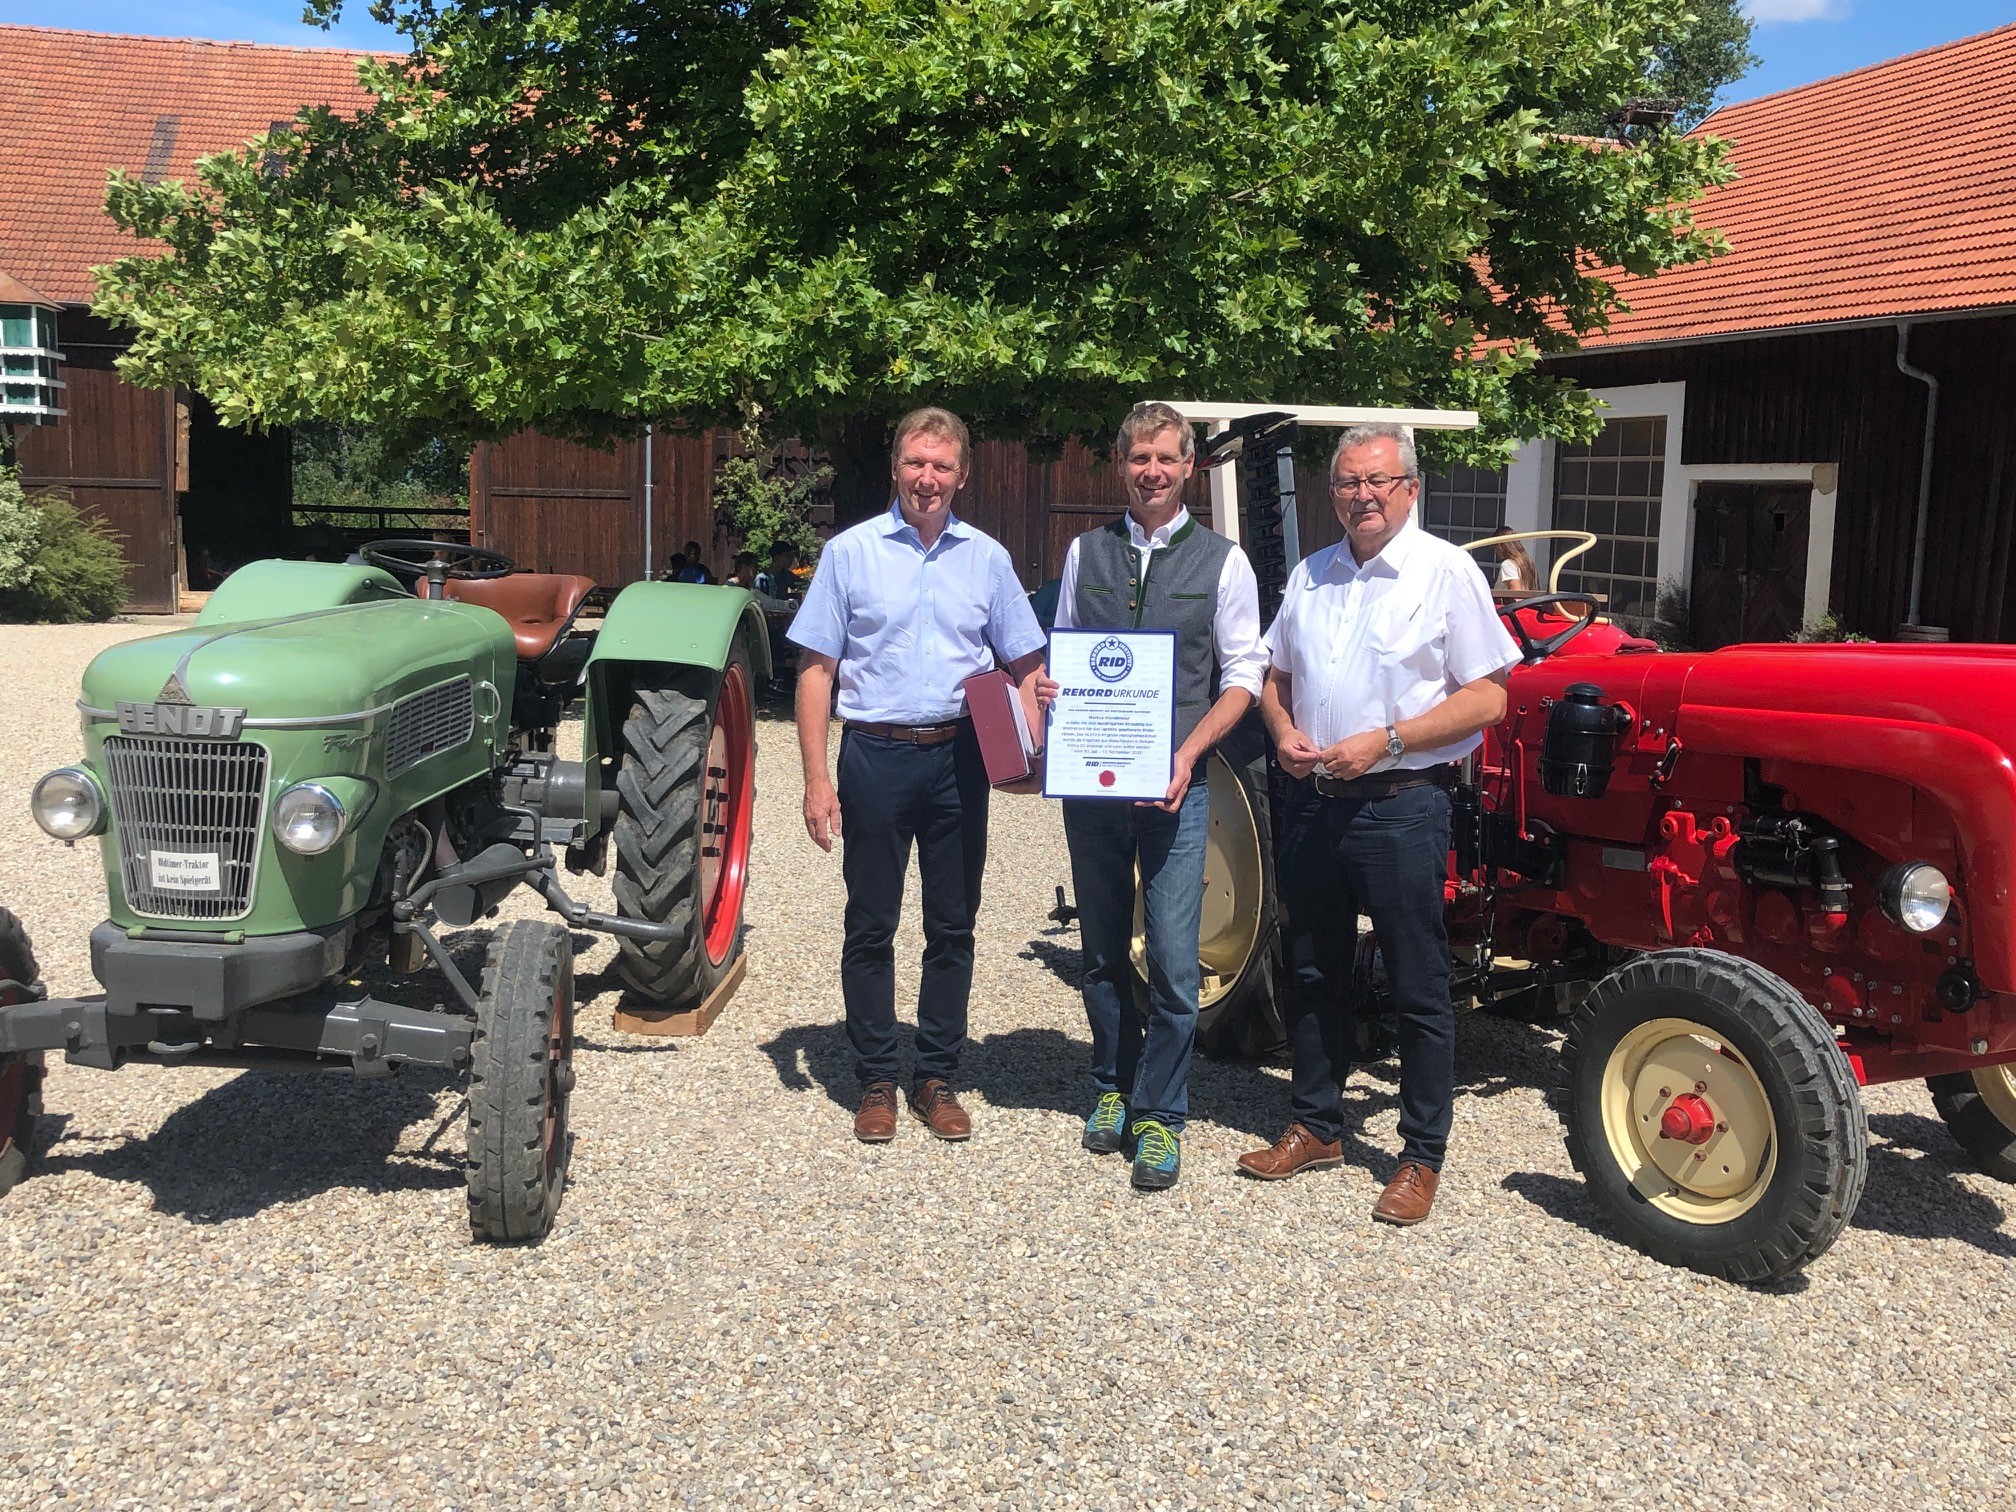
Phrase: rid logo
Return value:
(1111, 660)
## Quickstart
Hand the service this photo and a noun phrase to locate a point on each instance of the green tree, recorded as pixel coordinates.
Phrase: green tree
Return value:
(592, 213)
(1704, 56)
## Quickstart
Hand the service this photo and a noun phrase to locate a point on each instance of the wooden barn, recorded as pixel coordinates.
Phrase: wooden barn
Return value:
(155, 465)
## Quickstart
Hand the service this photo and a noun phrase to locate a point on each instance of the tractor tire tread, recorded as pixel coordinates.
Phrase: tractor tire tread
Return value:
(512, 1197)
(17, 1143)
(1831, 1127)
(1989, 1143)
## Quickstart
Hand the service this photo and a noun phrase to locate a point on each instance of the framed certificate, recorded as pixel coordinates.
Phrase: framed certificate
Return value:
(1112, 728)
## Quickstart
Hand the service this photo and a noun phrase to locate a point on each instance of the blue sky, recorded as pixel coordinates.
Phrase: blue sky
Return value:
(1799, 40)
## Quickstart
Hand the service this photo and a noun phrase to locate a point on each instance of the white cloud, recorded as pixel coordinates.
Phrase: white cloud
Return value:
(1767, 11)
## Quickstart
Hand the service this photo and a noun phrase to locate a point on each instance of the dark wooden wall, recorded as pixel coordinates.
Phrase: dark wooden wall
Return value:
(1839, 398)
(115, 452)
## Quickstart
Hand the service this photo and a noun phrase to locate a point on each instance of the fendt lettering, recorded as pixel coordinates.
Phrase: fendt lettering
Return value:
(196, 721)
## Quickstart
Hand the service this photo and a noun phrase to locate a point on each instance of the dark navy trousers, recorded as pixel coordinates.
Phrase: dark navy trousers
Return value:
(894, 794)
(1387, 857)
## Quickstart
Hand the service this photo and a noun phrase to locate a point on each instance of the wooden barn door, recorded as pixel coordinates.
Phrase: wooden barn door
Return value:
(1749, 572)
(115, 452)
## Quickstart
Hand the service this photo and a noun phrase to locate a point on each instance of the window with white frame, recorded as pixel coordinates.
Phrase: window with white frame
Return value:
(1611, 488)
(1463, 504)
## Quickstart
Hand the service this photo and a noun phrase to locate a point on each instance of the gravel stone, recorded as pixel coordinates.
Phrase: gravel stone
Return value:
(253, 1290)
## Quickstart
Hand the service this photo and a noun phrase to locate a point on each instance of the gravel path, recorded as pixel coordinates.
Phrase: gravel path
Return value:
(250, 1290)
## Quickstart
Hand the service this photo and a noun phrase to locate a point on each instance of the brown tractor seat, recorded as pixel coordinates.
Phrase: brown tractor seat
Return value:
(538, 606)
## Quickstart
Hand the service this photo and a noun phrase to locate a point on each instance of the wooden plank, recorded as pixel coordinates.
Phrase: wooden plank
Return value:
(692, 1021)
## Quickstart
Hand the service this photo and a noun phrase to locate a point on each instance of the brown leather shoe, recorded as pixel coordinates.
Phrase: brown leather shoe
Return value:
(933, 1102)
(1408, 1196)
(876, 1122)
(1295, 1151)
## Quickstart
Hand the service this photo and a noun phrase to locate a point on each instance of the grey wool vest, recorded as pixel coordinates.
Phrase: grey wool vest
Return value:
(1179, 591)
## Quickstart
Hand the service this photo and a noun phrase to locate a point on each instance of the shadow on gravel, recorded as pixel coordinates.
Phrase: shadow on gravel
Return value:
(265, 1139)
(1915, 1191)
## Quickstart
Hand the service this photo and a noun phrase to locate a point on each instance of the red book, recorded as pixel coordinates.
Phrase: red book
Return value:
(1002, 725)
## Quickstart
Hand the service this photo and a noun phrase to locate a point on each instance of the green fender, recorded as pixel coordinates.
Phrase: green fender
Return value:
(656, 624)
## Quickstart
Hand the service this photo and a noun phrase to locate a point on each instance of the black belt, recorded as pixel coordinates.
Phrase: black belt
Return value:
(923, 735)
(1379, 784)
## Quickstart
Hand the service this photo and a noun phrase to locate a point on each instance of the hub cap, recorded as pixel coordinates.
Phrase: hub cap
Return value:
(1688, 1121)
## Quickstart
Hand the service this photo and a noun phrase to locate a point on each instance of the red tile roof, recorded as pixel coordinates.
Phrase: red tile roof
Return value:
(1885, 192)
(78, 104)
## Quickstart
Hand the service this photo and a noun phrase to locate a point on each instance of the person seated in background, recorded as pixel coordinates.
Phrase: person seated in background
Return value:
(694, 566)
(742, 570)
(777, 581)
(674, 567)
(1516, 573)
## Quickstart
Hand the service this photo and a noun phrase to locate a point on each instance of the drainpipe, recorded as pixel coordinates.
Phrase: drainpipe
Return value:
(1924, 462)
(649, 433)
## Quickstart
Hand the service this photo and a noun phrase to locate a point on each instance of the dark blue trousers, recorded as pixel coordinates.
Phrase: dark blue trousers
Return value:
(893, 794)
(1387, 857)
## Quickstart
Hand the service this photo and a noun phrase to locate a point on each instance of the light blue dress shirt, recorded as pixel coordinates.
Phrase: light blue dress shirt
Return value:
(907, 625)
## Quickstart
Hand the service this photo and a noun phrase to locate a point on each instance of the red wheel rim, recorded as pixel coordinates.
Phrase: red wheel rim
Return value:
(727, 803)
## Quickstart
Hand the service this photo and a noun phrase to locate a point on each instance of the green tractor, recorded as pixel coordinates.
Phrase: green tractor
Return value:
(336, 763)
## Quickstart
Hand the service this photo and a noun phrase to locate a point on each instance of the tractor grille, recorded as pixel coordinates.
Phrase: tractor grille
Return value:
(187, 816)
(434, 719)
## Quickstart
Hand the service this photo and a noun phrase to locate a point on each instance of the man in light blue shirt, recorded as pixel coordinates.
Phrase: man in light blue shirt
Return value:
(902, 609)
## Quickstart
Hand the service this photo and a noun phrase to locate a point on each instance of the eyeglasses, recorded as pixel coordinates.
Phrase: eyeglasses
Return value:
(1380, 484)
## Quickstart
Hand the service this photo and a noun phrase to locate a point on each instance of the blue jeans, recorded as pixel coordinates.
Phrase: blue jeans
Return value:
(1385, 856)
(1146, 1063)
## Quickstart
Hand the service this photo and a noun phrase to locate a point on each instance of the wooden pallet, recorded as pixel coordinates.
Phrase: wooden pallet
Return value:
(664, 1021)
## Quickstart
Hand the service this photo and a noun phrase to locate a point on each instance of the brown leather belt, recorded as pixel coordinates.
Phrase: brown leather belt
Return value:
(1379, 784)
(923, 735)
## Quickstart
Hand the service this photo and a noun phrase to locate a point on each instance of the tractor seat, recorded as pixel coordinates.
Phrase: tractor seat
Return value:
(538, 606)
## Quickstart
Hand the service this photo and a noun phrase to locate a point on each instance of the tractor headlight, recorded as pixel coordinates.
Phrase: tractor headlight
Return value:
(308, 819)
(1915, 895)
(68, 804)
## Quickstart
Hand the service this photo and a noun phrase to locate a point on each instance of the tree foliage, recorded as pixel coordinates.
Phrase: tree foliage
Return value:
(592, 213)
(1707, 54)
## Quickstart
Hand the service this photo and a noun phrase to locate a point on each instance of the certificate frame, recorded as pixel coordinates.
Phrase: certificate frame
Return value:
(1123, 791)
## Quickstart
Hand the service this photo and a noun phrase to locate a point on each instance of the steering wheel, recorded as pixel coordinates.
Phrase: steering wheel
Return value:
(437, 561)
(1531, 650)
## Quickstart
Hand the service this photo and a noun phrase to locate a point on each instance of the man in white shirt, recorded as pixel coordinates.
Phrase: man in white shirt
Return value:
(1387, 660)
(902, 609)
(1155, 568)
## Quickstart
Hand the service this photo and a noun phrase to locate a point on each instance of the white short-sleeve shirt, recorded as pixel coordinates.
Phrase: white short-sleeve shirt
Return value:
(1369, 646)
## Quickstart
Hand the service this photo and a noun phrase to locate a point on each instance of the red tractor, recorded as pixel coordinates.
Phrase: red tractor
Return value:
(1753, 880)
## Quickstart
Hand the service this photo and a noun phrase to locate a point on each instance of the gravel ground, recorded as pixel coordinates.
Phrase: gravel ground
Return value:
(253, 1290)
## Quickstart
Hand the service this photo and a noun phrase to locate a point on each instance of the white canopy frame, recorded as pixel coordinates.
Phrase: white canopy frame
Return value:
(1215, 417)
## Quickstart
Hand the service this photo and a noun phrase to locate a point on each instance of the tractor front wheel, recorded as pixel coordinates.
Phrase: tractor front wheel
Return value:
(686, 795)
(20, 1075)
(1716, 1122)
(521, 1072)
(1980, 1111)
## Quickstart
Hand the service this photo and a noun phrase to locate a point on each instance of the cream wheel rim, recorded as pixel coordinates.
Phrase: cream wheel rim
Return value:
(1229, 923)
(1997, 1086)
(1721, 1169)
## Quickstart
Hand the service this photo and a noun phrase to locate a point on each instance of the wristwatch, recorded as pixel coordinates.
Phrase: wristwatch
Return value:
(1394, 744)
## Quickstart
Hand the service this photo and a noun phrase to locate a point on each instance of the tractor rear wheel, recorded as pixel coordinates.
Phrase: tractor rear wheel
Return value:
(1716, 1122)
(20, 1075)
(521, 1072)
(686, 793)
(1980, 1111)
(1238, 947)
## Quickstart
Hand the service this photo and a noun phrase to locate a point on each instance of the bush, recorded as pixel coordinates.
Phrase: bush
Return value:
(56, 563)
(1826, 629)
(764, 494)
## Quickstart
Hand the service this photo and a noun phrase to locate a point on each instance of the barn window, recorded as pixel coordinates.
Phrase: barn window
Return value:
(1463, 504)
(1611, 487)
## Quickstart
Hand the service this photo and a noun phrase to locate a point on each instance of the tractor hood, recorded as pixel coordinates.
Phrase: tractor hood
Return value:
(330, 662)
(1941, 719)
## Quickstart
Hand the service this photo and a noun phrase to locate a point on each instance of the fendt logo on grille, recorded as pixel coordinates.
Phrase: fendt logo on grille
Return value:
(191, 720)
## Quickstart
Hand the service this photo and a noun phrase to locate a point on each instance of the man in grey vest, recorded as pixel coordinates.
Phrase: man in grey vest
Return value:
(1154, 569)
